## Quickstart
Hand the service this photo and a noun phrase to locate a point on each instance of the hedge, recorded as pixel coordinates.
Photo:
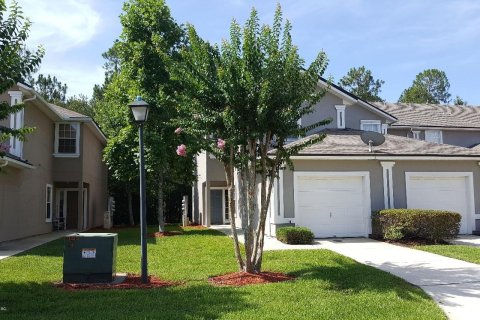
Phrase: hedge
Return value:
(432, 225)
(295, 235)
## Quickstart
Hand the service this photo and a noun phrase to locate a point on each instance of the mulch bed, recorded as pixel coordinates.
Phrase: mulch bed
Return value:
(238, 279)
(415, 242)
(132, 281)
(196, 226)
(164, 234)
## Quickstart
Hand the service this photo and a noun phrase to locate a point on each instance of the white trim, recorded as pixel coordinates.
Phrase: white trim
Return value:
(16, 97)
(17, 164)
(367, 122)
(470, 219)
(85, 208)
(416, 134)
(366, 228)
(341, 157)
(224, 205)
(384, 128)
(76, 125)
(47, 201)
(388, 184)
(280, 194)
(340, 116)
(16, 122)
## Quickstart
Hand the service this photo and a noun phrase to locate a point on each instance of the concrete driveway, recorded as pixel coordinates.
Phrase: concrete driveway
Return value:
(453, 284)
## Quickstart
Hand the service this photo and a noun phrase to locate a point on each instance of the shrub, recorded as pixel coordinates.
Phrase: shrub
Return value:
(432, 225)
(295, 235)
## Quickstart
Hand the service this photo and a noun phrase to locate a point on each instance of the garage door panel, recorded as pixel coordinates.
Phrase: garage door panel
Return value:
(441, 192)
(331, 205)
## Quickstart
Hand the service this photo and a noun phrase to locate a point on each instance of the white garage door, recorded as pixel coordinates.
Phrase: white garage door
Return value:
(440, 191)
(332, 204)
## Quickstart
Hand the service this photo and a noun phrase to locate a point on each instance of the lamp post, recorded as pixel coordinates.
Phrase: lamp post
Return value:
(140, 113)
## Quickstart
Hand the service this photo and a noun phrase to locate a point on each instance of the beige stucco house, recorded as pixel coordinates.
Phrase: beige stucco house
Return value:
(56, 178)
(425, 162)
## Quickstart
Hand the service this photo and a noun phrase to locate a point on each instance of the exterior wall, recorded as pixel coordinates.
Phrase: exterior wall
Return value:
(462, 138)
(376, 178)
(325, 108)
(95, 175)
(22, 191)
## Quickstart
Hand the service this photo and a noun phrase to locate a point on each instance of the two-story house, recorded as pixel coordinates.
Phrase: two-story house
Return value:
(338, 182)
(56, 178)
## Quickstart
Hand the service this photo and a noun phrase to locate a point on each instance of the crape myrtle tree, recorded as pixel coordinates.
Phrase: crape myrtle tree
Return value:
(137, 65)
(247, 97)
(17, 63)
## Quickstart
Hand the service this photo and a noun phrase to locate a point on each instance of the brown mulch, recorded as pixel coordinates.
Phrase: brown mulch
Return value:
(415, 242)
(164, 234)
(238, 279)
(132, 281)
(196, 226)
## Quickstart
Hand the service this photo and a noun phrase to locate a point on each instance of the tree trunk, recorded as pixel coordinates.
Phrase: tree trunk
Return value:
(130, 208)
(160, 205)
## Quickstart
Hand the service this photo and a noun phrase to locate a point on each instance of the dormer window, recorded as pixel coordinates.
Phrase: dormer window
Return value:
(67, 139)
(340, 116)
(371, 125)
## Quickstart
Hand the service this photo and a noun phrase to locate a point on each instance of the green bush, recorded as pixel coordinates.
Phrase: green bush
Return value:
(432, 225)
(295, 235)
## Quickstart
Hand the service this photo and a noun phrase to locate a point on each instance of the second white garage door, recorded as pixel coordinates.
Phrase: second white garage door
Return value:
(333, 204)
(442, 191)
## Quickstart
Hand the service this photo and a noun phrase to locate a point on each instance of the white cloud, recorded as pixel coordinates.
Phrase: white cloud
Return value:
(60, 25)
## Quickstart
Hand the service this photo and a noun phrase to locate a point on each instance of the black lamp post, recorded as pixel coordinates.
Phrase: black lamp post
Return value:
(140, 113)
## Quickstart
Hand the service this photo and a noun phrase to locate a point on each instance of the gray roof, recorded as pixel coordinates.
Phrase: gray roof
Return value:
(66, 113)
(432, 115)
(348, 143)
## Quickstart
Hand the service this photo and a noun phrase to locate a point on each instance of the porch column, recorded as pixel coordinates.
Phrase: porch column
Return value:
(207, 211)
(388, 184)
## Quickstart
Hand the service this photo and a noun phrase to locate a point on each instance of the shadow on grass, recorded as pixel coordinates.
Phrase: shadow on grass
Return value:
(33, 300)
(353, 278)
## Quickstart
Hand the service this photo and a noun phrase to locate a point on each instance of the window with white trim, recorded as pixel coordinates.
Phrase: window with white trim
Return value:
(48, 202)
(434, 136)
(67, 138)
(371, 125)
(340, 116)
(16, 122)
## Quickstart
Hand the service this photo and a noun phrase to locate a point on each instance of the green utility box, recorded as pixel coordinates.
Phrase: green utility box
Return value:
(89, 257)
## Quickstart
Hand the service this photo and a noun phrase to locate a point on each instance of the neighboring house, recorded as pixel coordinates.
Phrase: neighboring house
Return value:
(337, 183)
(56, 178)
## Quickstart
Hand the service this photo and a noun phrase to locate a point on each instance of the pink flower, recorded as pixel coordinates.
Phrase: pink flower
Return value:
(220, 144)
(178, 130)
(182, 150)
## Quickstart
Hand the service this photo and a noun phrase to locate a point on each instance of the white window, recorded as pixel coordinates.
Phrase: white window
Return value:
(67, 139)
(371, 125)
(340, 116)
(48, 203)
(416, 135)
(434, 136)
(16, 122)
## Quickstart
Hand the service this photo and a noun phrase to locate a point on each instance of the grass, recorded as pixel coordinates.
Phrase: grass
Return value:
(329, 286)
(461, 252)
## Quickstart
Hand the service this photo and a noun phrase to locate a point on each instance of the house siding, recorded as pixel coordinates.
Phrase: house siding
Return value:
(22, 191)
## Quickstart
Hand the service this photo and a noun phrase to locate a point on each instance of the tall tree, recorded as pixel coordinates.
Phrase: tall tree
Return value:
(361, 83)
(458, 101)
(16, 63)
(249, 96)
(429, 86)
(50, 88)
(81, 104)
(137, 65)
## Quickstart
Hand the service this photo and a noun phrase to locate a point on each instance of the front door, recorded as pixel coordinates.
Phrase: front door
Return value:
(67, 207)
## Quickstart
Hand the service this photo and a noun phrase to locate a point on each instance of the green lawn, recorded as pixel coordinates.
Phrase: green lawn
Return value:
(461, 252)
(329, 286)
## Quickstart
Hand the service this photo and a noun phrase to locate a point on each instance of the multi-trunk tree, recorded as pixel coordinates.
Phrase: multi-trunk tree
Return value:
(17, 63)
(246, 97)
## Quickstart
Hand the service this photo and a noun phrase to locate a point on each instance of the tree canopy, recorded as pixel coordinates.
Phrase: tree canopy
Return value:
(429, 86)
(17, 63)
(361, 83)
(247, 96)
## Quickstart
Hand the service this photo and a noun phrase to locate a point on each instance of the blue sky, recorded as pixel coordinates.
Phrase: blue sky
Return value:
(395, 39)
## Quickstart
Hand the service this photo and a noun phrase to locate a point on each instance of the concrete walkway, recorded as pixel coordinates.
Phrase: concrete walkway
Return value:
(10, 248)
(453, 284)
(467, 240)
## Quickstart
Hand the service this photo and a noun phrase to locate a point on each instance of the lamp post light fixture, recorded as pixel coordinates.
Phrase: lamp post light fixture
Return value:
(140, 113)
